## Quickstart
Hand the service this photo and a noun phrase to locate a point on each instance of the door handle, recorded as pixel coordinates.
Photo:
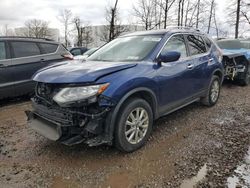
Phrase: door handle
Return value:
(190, 66)
(210, 60)
(42, 60)
(2, 66)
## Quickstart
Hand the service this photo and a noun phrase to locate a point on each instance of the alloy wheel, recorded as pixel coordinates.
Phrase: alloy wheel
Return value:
(136, 125)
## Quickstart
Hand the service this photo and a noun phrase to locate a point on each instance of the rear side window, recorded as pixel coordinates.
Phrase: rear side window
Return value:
(2, 51)
(176, 43)
(196, 45)
(48, 48)
(25, 49)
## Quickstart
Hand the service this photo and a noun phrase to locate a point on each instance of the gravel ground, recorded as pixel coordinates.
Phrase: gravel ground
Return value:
(195, 146)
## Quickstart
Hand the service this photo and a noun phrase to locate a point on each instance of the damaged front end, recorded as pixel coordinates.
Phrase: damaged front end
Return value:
(236, 66)
(73, 122)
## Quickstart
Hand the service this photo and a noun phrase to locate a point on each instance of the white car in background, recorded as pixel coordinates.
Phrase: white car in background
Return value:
(84, 56)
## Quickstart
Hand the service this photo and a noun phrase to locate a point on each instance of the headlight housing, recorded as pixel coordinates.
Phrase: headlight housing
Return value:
(74, 94)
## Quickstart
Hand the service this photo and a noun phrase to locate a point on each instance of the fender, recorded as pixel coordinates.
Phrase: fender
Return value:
(111, 118)
(218, 70)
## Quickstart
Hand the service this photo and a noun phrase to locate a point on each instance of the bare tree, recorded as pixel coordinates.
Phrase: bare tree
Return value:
(238, 15)
(7, 31)
(112, 12)
(212, 8)
(166, 6)
(198, 14)
(245, 11)
(237, 19)
(114, 28)
(179, 12)
(65, 18)
(144, 12)
(36, 28)
(84, 32)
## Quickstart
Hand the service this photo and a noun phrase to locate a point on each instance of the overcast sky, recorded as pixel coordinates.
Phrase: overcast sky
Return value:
(16, 12)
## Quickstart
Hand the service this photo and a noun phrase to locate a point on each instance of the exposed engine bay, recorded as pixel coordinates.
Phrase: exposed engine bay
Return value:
(235, 67)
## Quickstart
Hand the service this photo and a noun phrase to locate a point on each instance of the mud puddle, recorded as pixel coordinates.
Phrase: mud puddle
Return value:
(242, 174)
(190, 183)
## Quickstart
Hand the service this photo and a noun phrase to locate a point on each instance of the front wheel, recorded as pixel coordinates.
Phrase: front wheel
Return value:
(246, 79)
(213, 92)
(134, 125)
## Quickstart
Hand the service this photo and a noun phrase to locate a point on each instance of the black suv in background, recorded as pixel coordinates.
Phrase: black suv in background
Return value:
(21, 57)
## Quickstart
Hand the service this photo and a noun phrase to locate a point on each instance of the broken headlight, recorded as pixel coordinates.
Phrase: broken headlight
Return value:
(74, 94)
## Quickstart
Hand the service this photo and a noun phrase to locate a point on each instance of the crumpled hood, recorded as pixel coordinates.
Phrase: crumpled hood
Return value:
(79, 72)
(236, 52)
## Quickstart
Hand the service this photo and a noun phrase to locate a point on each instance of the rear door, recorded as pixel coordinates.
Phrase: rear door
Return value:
(25, 62)
(199, 58)
(5, 71)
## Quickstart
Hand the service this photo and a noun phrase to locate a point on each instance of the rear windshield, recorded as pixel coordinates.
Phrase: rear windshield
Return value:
(246, 44)
(229, 44)
(130, 48)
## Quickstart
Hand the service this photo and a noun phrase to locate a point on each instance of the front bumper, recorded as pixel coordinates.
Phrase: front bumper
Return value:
(44, 127)
(69, 126)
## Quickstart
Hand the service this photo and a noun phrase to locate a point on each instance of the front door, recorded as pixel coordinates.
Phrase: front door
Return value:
(175, 79)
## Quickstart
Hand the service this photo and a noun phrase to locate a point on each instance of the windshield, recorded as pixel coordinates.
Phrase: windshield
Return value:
(229, 44)
(130, 48)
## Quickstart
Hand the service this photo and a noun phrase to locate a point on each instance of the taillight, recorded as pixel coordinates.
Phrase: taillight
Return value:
(68, 56)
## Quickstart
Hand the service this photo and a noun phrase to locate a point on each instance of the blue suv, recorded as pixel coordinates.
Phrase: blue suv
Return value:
(114, 97)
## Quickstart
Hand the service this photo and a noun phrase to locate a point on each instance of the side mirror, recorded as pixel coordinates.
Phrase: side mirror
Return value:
(169, 56)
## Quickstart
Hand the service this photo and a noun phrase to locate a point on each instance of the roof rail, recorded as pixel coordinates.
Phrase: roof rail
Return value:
(182, 27)
(21, 37)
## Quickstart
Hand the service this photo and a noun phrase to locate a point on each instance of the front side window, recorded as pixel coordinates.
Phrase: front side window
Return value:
(25, 49)
(2, 51)
(129, 48)
(196, 45)
(176, 43)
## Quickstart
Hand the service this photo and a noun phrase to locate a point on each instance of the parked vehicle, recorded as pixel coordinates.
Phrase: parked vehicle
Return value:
(78, 51)
(115, 96)
(20, 58)
(85, 55)
(236, 60)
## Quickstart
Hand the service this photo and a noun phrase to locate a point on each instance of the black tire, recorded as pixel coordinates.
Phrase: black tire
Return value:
(208, 100)
(121, 141)
(246, 79)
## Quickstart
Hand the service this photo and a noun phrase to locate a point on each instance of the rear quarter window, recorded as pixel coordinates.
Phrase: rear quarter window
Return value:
(25, 49)
(196, 45)
(208, 43)
(48, 48)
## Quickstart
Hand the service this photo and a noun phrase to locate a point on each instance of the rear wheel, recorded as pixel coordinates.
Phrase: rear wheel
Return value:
(213, 92)
(134, 125)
